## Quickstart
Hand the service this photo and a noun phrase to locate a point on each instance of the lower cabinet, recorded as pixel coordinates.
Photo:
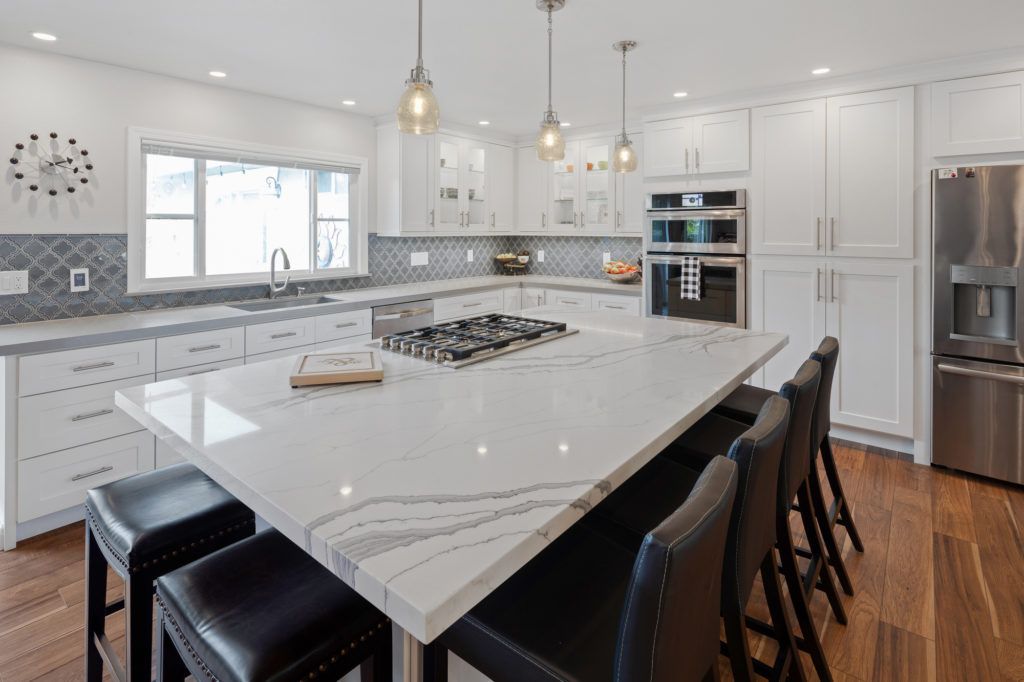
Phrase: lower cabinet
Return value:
(328, 346)
(569, 300)
(199, 369)
(468, 305)
(532, 297)
(616, 304)
(512, 300)
(868, 306)
(283, 353)
(57, 481)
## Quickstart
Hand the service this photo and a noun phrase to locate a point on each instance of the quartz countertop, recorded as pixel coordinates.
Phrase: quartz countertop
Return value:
(428, 490)
(80, 332)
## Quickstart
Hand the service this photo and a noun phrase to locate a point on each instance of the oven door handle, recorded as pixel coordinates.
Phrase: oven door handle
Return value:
(705, 260)
(710, 214)
(981, 374)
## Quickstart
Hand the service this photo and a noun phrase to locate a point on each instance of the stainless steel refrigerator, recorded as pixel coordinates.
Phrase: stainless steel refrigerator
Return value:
(978, 320)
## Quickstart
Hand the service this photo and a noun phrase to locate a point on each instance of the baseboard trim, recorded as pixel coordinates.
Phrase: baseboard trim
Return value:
(883, 443)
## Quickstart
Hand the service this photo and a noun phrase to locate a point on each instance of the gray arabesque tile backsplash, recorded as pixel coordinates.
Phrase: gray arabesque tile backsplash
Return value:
(48, 258)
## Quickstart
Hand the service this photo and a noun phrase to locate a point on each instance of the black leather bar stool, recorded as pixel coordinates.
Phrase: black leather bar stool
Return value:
(588, 609)
(145, 526)
(743, 404)
(263, 610)
(758, 451)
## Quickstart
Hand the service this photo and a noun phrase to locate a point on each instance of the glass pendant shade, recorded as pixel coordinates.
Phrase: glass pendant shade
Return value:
(624, 159)
(550, 143)
(418, 112)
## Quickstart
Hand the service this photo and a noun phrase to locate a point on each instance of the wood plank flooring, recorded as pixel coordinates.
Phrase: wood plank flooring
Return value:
(939, 590)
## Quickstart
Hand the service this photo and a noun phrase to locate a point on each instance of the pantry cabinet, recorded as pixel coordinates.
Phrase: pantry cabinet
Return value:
(695, 145)
(983, 115)
(868, 306)
(835, 176)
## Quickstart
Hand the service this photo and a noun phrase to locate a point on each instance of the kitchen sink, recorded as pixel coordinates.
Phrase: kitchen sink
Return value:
(260, 306)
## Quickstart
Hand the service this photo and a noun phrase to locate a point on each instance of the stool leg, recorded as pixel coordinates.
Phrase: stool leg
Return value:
(95, 605)
(138, 608)
(842, 504)
(736, 642)
(819, 559)
(780, 621)
(170, 667)
(833, 554)
(791, 572)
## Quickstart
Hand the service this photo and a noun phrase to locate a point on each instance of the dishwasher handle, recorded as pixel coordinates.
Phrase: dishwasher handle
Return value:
(981, 374)
(402, 314)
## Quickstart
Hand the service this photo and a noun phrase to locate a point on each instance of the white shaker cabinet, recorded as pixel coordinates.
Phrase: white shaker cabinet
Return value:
(532, 176)
(983, 115)
(695, 145)
(405, 182)
(788, 178)
(629, 195)
(502, 180)
(868, 306)
(870, 174)
(667, 148)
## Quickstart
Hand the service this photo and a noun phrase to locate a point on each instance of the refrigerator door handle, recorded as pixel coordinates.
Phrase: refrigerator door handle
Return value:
(981, 374)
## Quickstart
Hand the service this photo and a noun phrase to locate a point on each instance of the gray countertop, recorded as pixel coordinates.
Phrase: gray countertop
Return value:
(80, 332)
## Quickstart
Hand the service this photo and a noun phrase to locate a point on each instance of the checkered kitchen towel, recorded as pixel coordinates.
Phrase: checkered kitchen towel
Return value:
(690, 281)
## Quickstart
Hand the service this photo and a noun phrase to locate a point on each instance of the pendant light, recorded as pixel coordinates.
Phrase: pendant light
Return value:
(417, 110)
(624, 160)
(550, 143)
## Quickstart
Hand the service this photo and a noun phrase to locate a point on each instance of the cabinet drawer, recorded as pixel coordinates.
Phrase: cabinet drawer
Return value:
(616, 303)
(283, 353)
(469, 305)
(271, 336)
(328, 346)
(63, 419)
(166, 455)
(59, 480)
(343, 325)
(187, 350)
(85, 366)
(570, 300)
(199, 369)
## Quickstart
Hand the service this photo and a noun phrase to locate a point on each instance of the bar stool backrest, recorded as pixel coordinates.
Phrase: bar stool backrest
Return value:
(828, 355)
(802, 393)
(670, 623)
(758, 455)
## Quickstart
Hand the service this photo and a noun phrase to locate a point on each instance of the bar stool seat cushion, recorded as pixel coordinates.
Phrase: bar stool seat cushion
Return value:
(561, 613)
(744, 403)
(161, 517)
(263, 609)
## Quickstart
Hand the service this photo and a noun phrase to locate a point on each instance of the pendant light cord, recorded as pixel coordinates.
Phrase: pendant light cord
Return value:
(550, 31)
(419, 43)
(623, 92)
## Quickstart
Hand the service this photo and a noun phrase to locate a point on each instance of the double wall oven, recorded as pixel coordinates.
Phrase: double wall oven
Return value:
(710, 227)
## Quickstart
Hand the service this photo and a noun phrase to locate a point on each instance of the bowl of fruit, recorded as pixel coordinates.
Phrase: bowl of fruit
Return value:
(621, 272)
(505, 257)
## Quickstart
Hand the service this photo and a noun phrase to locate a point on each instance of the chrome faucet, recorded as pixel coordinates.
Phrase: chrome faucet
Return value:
(274, 289)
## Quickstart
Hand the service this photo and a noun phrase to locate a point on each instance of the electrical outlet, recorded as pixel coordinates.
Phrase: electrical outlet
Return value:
(13, 282)
(420, 258)
(469, 255)
(607, 257)
(79, 280)
(540, 256)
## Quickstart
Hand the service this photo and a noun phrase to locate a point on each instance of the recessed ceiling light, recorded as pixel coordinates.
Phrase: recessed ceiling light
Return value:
(218, 74)
(48, 37)
(348, 102)
(482, 450)
(484, 123)
(820, 72)
(346, 491)
(563, 447)
(680, 94)
(566, 124)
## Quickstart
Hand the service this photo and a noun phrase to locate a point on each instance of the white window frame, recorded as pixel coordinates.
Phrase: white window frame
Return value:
(229, 149)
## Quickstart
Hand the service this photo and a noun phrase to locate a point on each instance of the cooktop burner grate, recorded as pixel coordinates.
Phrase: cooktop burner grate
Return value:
(460, 343)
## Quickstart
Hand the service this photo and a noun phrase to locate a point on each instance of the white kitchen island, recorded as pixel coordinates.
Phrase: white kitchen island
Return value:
(427, 491)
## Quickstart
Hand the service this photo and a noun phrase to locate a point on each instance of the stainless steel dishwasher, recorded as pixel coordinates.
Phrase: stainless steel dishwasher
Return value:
(402, 317)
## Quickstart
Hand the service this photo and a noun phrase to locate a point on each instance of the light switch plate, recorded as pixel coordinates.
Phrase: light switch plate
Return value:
(79, 280)
(469, 255)
(420, 258)
(13, 282)
(607, 257)
(540, 256)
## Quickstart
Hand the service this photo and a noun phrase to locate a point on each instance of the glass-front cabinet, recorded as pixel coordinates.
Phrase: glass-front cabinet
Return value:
(564, 213)
(462, 185)
(475, 182)
(449, 212)
(583, 188)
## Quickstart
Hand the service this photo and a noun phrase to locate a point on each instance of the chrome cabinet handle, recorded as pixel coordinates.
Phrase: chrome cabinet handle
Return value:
(817, 236)
(583, 220)
(832, 232)
(686, 164)
(493, 220)
(342, 325)
(472, 305)
(834, 297)
(203, 371)
(543, 219)
(200, 349)
(402, 314)
(283, 335)
(615, 307)
(570, 301)
(618, 219)
(95, 472)
(696, 154)
(817, 282)
(90, 415)
(432, 223)
(980, 374)
(97, 365)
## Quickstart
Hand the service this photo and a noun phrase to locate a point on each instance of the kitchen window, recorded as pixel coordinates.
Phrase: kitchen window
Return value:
(206, 213)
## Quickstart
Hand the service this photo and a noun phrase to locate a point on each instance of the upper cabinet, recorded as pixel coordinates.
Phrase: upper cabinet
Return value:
(532, 191)
(713, 143)
(629, 196)
(983, 115)
(443, 184)
(834, 176)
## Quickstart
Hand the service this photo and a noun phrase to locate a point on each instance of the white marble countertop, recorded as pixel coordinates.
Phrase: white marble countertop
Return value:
(428, 490)
(79, 332)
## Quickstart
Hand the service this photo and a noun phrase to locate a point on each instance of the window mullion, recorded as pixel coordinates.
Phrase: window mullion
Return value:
(313, 224)
(200, 221)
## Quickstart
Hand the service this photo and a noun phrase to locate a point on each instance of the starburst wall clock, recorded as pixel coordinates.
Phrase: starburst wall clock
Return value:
(50, 166)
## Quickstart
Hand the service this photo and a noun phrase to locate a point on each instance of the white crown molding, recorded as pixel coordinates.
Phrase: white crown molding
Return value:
(915, 74)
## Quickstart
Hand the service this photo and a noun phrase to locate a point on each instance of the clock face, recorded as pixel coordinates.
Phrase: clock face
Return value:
(51, 165)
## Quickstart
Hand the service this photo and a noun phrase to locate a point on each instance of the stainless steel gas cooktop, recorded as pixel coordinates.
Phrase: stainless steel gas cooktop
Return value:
(461, 343)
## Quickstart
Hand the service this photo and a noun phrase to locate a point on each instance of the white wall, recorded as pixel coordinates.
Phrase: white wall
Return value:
(96, 103)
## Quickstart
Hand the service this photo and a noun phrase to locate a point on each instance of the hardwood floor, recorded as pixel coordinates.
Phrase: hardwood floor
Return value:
(939, 589)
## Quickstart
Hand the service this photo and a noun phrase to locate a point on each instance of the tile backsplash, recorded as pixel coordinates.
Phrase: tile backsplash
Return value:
(48, 259)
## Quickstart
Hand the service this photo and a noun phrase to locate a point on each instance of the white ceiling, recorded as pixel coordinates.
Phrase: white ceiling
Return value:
(487, 57)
